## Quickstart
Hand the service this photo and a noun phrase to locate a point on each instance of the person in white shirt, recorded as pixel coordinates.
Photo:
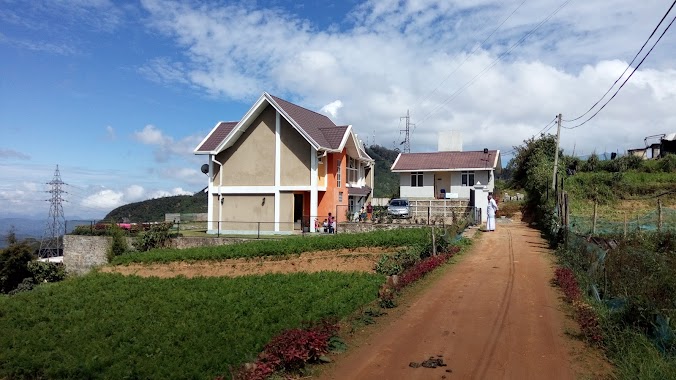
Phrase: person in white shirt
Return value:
(491, 209)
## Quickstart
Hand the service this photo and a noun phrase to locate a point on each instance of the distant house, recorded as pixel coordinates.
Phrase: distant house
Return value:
(281, 167)
(445, 174)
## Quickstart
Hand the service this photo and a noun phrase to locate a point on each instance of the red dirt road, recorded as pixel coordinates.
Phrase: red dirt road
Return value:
(493, 315)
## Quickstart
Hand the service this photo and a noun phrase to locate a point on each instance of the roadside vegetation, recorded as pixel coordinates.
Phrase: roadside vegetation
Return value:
(622, 297)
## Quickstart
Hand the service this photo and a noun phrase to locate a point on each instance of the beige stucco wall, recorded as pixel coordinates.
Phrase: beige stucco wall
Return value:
(251, 160)
(295, 157)
(369, 182)
(213, 213)
(286, 211)
(243, 211)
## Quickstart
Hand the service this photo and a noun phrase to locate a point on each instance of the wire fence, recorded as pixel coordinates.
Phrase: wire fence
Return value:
(664, 220)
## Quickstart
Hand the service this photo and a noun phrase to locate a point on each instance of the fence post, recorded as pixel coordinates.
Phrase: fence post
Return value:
(91, 226)
(259, 230)
(638, 223)
(218, 231)
(659, 214)
(625, 225)
(178, 227)
(434, 243)
(594, 221)
(428, 214)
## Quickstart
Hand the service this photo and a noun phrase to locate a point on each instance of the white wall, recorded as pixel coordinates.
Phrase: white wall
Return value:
(426, 191)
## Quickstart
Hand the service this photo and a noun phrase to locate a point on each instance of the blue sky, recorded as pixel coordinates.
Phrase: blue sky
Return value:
(119, 93)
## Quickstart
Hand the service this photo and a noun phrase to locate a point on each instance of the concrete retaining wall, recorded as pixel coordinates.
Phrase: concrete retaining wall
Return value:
(82, 253)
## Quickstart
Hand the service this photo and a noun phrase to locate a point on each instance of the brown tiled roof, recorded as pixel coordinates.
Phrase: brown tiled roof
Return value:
(220, 132)
(445, 160)
(361, 191)
(334, 135)
(311, 122)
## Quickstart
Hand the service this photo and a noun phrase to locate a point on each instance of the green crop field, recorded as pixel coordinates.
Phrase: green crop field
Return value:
(286, 246)
(115, 327)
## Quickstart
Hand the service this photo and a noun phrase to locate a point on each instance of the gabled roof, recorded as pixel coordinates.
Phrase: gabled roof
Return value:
(316, 128)
(220, 131)
(449, 161)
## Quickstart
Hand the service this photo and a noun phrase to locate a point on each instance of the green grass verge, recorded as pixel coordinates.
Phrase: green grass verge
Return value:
(290, 245)
(636, 357)
(116, 327)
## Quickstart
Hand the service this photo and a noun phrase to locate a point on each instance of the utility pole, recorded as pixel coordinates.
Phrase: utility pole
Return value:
(407, 132)
(556, 153)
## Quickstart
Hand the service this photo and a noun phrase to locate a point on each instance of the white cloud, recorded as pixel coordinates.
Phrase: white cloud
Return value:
(110, 133)
(332, 108)
(399, 55)
(187, 175)
(150, 135)
(13, 154)
(134, 193)
(172, 192)
(104, 200)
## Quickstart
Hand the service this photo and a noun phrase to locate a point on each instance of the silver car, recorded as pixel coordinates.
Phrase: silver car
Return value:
(399, 208)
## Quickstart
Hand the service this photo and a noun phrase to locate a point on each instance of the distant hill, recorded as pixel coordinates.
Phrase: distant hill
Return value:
(153, 210)
(386, 182)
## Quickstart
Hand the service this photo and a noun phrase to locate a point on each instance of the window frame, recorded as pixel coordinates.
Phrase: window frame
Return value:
(465, 177)
(417, 179)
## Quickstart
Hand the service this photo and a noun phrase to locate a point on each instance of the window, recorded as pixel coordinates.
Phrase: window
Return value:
(339, 178)
(340, 197)
(352, 171)
(467, 178)
(417, 179)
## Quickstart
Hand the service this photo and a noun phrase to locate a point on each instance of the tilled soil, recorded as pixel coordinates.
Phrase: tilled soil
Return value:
(493, 315)
(361, 260)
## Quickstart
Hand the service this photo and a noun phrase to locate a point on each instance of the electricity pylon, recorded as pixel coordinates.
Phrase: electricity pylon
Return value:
(52, 239)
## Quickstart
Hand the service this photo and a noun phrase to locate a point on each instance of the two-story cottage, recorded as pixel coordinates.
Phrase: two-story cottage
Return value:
(281, 168)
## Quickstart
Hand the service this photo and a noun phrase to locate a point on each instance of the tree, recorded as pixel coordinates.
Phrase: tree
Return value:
(14, 266)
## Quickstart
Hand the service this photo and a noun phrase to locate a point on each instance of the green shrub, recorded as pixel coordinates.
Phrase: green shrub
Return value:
(14, 266)
(392, 264)
(118, 244)
(156, 237)
(46, 272)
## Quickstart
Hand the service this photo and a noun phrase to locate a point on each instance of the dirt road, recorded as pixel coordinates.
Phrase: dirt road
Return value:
(493, 315)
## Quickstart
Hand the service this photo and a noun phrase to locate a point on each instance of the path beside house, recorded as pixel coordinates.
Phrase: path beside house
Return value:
(493, 315)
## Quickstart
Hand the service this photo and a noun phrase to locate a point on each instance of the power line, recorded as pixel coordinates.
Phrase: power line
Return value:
(495, 62)
(626, 80)
(628, 66)
(477, 47)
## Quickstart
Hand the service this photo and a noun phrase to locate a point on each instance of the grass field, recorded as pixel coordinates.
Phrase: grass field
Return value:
(115, 327)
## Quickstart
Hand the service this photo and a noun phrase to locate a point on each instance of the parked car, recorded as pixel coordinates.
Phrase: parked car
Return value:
(399, 208)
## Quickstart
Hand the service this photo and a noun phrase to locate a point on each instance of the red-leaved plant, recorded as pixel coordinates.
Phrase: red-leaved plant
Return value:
(290, 351)
(585, 315)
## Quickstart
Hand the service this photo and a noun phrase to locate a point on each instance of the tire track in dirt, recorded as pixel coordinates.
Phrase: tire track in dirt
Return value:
(500, 322)
(492, 315)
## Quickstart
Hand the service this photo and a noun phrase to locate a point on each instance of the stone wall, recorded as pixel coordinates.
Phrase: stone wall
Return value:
(82, 253)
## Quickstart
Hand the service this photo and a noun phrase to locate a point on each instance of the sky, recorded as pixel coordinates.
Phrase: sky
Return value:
(118, 94)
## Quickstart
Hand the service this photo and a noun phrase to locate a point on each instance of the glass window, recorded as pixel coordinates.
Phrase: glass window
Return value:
(467, 178)
(416, 179)
(339, 178)
(340, 197)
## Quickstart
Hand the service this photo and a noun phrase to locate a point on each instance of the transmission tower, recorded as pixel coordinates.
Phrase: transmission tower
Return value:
(52, 240)
(407, 132)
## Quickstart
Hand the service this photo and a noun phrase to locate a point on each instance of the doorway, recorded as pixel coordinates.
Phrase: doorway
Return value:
(297, 211)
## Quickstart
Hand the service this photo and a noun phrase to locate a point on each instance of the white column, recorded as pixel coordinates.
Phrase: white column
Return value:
(313, 187)
(278, 166)
(210, 197)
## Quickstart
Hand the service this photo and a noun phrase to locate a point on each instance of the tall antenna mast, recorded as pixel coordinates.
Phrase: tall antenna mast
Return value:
(52, 239)
(407, 132)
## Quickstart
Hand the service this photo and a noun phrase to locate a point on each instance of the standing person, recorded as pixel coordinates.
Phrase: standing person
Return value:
(490, 212)
(332, 224)
(369, 211)
(362, 214)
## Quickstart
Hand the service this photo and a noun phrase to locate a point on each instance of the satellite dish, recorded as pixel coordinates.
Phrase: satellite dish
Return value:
(205, 169)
